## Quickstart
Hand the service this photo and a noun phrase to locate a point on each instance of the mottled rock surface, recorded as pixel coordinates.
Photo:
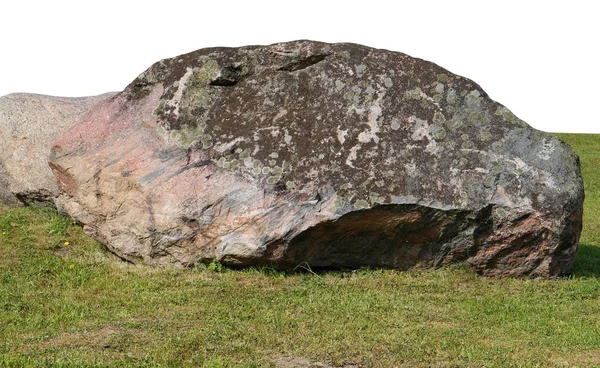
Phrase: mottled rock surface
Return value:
(294, 362)
(29, 124)
(321, 154)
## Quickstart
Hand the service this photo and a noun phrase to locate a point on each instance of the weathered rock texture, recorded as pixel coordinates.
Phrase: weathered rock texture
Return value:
(29, 124)
(320, 154)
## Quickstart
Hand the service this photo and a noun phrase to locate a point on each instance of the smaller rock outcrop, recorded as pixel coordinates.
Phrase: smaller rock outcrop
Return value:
(29, 123)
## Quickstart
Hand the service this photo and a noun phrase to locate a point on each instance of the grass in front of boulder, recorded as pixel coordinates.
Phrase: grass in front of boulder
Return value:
(66, 302)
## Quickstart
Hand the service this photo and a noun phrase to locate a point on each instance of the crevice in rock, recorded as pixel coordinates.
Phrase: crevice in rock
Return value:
(190, 166)
(280, 187)
(224, 82)
(191, 222)
(230, 76)
(318, 198)
(304, 63)
(41, 197)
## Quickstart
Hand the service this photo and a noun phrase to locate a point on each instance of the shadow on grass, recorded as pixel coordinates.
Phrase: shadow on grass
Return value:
(587, 262)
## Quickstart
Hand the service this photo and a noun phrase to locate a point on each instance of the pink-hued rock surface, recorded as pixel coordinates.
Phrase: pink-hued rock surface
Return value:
(325, 155)
(29, 124)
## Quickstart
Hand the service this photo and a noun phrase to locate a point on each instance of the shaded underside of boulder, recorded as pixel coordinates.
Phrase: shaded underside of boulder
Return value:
(329, 155)
(29, 124)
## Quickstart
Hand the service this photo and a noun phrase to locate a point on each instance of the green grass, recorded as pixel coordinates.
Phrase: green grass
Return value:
(588, 148)
(76, 305)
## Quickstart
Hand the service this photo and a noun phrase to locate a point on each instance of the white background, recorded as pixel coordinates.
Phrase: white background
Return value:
(538, 58)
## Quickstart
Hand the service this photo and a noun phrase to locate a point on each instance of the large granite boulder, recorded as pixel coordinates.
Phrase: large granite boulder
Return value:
(326, 155)
(29, 124)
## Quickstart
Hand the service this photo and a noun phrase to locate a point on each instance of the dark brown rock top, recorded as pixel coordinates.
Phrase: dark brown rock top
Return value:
(374, 124)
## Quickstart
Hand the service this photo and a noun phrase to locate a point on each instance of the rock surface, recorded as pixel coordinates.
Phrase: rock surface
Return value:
(294, 362)
(321, 154)
(29, 124)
